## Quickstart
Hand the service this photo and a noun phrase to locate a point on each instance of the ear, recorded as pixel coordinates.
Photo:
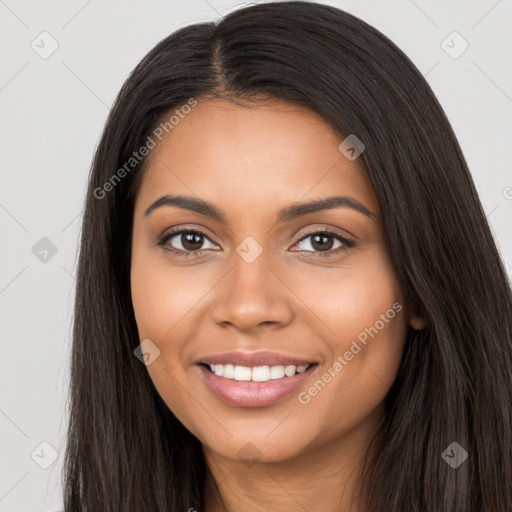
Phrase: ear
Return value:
(417, 322)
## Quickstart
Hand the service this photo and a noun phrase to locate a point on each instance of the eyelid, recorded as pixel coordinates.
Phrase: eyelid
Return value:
(167, 235)
(326, 229)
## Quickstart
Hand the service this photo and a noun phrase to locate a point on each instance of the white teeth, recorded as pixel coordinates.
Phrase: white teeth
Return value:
(242, 373)
(229, 371)
(261, 373)
(289, 371)
(257, 373)
(277, 372)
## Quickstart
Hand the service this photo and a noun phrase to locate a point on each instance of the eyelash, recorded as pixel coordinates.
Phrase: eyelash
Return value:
(347, 242)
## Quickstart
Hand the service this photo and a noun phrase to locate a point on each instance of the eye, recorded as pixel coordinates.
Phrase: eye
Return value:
(185, 242)
(323, 243)
(188, 242)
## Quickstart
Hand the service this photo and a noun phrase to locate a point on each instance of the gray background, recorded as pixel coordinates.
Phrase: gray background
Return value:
(52, 114)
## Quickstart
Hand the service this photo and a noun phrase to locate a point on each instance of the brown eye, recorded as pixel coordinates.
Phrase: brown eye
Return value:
(191, 241)
(186, 241)
(324, 243)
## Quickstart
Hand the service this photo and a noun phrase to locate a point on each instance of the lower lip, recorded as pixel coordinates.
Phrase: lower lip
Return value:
(254, 394)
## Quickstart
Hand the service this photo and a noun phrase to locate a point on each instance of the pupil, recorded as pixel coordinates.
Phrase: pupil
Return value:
(322, 245)
(187, 241)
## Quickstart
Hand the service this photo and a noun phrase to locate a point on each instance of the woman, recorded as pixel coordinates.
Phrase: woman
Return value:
(288, 295)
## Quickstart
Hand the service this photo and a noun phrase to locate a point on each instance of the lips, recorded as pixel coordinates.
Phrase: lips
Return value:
(253, 359)
(254, 379)
(254, 394)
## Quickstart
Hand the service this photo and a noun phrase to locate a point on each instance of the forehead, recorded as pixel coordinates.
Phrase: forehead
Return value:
(257, 155)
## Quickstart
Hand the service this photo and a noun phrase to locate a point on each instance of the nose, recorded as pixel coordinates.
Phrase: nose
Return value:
(253, 296)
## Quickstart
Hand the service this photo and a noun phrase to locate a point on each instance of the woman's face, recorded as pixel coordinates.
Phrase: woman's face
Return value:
(264, 281)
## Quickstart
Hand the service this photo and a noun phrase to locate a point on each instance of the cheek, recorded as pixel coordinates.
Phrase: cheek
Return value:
(357, 308)
(164, 295)
(165, 301)
(351, 299)
(364, 329)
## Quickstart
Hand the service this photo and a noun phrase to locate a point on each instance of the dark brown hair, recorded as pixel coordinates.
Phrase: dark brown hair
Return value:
(126, 451)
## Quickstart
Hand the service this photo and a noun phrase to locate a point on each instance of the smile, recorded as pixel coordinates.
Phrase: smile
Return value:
(257, 373)
(244, 386)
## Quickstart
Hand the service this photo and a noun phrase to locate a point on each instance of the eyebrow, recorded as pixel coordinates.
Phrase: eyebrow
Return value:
(290, 212)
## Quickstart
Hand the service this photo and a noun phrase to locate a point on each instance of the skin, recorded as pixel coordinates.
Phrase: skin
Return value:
(250, 163)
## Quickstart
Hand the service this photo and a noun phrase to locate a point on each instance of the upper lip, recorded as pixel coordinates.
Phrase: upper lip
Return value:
(253, 359)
